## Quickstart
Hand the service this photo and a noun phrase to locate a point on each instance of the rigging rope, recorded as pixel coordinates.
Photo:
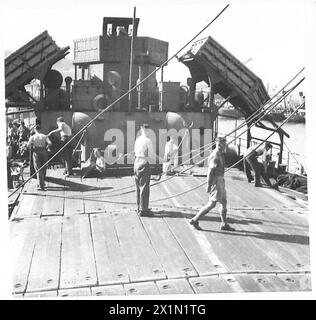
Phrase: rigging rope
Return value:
(203, 183)
(117, 100)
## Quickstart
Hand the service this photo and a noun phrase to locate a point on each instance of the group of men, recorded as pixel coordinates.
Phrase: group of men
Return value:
(39, 143)
(143, 151)
(215, 176)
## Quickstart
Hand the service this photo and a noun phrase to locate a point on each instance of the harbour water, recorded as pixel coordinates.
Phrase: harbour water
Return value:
(296, 142)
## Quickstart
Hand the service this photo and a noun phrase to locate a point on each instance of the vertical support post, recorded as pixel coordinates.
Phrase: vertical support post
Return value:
(131, 64)
(281, 148)
(248, 137)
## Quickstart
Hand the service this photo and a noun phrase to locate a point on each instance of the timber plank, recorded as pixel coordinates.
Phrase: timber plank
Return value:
(248, 283)
(30, 201)
(172, 256)
(271, 283)
(109, 258)
(112, 290)
(276, 243)
(126, 198)
(78, 292)
(73, 204)
(297, 282)
(92, 198)
(210, 284)
(174, 286)
(142, 288)
(41, 294)
(44, 272)
(54, 201)
(139, 256)
(77, 257)
(184, 236)
(23, 234)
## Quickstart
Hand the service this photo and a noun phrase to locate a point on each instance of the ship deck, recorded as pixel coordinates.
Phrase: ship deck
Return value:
(75, 240)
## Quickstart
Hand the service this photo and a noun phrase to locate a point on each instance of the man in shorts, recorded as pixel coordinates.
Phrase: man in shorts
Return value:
(215, 187)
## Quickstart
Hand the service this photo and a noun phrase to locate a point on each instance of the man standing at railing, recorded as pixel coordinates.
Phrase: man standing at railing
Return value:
(215, 187)
(251, 162)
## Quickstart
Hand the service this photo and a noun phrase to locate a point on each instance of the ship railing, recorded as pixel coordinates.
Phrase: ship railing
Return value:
(291, 162)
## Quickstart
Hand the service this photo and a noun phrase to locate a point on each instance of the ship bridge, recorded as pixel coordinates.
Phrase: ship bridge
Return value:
(210, 62)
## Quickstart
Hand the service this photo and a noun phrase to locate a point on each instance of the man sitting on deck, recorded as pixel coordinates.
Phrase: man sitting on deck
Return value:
(251, 161)
(215, 186)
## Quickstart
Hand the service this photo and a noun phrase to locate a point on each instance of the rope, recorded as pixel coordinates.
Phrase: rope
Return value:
(116, 101)
(203, 183)
(181, 172)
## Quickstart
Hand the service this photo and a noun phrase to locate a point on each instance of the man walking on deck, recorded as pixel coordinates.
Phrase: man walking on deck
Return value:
(215, 187)
(38, 142)
(65, 136)
(251, 162)
(143, 152)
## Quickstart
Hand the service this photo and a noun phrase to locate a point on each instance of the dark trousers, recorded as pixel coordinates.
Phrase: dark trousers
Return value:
(39, 158)
(67, 154)
(142, 181)
(252, 163)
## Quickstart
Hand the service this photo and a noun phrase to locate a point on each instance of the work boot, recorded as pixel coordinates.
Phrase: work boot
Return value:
(146, 213)
(195, 224)
(227, 227)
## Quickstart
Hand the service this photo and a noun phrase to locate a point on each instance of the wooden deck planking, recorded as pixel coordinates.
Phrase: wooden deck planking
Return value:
(142, 288)
(110, 264)
(188, 199)
(113, 290)
(41, 294)
(297, 282)
(172, 257)
(293, 242)
(292, 249)
(73, 204)
(264, 243)
(23, 235)
(235, 250)
(44, 272)
(92, 197)
(54, 200)
(30, 201)
(139, 256)
(210, 284)
(127, 199)
(158, 192)
(182, 232)
(174, 286)
(77, 256)
(78, 292)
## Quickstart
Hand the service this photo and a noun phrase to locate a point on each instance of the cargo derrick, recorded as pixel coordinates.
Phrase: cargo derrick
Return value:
(102, 73)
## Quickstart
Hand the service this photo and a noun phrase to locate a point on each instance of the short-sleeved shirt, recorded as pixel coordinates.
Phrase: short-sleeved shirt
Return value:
(37, 141)
(100, 162)
(170, 150)
(65, 129)
(143, 148)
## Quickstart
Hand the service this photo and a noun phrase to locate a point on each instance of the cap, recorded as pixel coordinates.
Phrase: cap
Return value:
(220, 140)
(268, 145)
(60, 119)
(145, 125)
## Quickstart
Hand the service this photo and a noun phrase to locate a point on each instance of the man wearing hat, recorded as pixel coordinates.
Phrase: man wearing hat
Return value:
(215, 186)
(251, 162)
(143, 152)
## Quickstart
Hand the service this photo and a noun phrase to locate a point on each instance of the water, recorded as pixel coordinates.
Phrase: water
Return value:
(296, 142)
